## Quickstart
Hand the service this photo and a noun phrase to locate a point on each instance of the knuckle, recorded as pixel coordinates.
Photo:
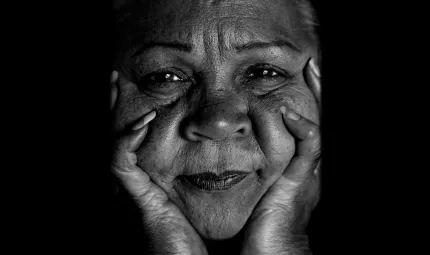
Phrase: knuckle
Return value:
(118, 168)
(316, 153)
(313, 132)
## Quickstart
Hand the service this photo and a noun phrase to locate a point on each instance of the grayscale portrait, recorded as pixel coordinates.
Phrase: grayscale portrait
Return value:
(216, 114)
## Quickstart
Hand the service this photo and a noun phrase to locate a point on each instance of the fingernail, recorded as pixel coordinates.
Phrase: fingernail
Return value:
(145, 120)
(113, 76)
(283, 109)
(314, 67)
(292, 115)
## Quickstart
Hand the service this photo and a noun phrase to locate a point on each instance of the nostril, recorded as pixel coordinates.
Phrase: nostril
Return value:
(196, 136)
(215, 127)
(243, 131)
(192, 133)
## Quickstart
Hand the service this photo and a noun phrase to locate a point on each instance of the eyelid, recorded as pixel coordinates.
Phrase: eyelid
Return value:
(165, 74)
(260, 66)
(182, 76)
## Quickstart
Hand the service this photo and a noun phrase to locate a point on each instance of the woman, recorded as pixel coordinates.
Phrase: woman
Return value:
(215, 104)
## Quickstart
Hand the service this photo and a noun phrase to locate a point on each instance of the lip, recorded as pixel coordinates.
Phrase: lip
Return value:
(211, 182)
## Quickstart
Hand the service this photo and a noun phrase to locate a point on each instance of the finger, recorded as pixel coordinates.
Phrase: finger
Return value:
(131, 142)
(114, 88)
(128, 144)
(124, 157)
(313, 79)
(136, 181)
(114, 76)
(314, 67)
(307, 147)
(317, 168)
(145, 120)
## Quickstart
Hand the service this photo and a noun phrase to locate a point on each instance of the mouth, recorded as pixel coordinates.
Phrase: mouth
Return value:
(210, 181)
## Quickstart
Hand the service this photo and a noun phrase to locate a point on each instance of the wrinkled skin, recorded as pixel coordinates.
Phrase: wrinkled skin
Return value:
(217, 117)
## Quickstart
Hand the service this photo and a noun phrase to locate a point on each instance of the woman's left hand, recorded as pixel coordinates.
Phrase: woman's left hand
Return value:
(277, 224)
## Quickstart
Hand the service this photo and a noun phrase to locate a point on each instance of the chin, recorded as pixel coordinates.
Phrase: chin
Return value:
(219, 215)
(223, 231)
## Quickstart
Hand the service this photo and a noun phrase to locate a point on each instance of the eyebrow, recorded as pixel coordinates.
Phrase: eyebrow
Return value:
(187, 47)
(262, 45)
(175, 45)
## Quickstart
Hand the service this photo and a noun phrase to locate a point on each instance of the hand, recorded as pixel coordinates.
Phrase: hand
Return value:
(277, 224)
(168, 230)
(313, 76)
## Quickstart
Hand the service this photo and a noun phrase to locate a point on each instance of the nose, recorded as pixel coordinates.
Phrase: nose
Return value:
(217, 122)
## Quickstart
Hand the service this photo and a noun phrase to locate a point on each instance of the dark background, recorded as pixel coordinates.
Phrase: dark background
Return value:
(66, 81)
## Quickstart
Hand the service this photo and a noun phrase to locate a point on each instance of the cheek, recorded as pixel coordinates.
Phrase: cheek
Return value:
(131, 105)
(159, 151)
(301, 100)
(159, 155)
(275, 141)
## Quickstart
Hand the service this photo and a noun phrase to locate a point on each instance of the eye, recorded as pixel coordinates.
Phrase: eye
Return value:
(265, 75)
(262, 72)
(164, 77)
(164, 83)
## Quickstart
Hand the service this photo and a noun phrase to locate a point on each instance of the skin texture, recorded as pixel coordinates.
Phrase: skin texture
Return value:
(217, 117)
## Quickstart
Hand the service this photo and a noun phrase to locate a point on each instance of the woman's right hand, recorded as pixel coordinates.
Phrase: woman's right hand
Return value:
(169, 232)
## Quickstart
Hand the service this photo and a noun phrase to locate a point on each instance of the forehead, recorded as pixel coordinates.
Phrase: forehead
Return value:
(232, 21)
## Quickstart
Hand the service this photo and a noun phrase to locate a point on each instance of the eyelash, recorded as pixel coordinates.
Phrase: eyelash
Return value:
(256, 75)
(265, 69)
(166, 75)
(163, 76)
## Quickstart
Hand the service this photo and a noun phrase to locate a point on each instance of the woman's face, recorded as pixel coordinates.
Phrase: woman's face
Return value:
(216, 73)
